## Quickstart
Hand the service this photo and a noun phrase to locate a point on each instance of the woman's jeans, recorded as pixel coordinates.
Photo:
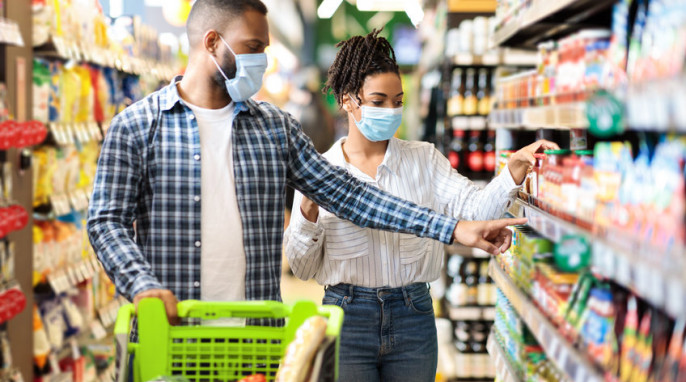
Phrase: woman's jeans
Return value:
(389, 334)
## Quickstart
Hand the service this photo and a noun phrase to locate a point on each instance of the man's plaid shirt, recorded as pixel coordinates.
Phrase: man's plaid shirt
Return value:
(149, 173)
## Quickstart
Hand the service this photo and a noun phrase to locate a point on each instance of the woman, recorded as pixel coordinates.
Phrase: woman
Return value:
(380, 278)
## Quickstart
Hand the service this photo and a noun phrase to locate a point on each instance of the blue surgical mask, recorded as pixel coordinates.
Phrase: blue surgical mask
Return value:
(250, 69)
(378, 123)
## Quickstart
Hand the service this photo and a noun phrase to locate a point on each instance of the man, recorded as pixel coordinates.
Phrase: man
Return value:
(202, 169)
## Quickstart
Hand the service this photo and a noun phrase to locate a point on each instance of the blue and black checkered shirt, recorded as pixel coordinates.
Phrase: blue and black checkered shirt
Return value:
(149, 173)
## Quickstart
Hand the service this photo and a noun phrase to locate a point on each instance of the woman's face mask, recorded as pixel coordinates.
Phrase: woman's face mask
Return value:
(378, 123)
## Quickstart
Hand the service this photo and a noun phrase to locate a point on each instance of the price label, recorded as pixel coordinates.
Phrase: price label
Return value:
(675, 297)
(642, 279)
(623, 269)
(655, 280)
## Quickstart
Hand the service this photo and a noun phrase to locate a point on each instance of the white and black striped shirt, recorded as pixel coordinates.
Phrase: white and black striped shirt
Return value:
(334, 250)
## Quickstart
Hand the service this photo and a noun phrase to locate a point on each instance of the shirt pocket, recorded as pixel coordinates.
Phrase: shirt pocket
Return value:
(344, 240)
(412, 248)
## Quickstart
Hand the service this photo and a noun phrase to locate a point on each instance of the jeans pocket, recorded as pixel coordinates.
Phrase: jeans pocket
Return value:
(422, 304)
(327, 300)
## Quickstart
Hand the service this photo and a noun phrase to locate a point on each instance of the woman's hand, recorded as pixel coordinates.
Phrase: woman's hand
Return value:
(309, 209)
(521, 161)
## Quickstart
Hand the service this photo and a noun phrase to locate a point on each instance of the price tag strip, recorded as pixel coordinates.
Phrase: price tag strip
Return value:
(503, 368)
(561, 352)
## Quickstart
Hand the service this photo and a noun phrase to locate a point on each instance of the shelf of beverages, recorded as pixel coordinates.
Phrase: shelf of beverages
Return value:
(523, 23)
(563, 354)
(503, 369)
(608, 79)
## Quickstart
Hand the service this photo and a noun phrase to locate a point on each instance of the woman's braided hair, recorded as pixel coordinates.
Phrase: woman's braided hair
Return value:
(359, 57)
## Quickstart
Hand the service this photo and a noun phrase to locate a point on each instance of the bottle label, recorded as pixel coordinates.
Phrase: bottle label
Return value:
(454, 159)
(489, 161)
(476, 161)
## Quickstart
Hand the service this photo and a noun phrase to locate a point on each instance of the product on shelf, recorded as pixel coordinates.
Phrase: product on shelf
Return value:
(522, 350)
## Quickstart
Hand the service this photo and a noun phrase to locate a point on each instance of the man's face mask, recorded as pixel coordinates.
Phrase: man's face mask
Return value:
(250, 69)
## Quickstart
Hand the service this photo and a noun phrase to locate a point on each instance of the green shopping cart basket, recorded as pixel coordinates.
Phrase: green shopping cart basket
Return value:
(207, 353)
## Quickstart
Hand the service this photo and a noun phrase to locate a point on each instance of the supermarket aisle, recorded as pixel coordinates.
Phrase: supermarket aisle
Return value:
(293, 289)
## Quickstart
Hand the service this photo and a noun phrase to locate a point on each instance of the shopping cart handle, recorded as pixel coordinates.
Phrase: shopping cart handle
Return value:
(249, 309)
(335, 319)
(123, 323)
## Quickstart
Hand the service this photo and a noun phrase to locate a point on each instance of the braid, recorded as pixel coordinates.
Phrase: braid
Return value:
(359, 57)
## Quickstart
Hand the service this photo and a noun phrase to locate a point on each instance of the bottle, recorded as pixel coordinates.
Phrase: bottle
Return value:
(469, 106)
(489, 152)
(464, 359)
(483, 95)
(472, 281)
(475, 152)
(455, 100)
(457, 292)
(457, 151)
(484, 286)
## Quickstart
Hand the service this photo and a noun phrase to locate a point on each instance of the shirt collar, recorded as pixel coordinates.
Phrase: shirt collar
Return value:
(169, 97)
(391, 159)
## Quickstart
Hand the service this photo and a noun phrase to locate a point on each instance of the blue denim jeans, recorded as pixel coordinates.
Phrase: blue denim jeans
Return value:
(389, 334)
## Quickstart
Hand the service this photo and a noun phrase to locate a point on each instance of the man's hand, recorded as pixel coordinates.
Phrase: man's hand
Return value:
(309, 209)
(167, 297)
(521, 161)
(492, 235)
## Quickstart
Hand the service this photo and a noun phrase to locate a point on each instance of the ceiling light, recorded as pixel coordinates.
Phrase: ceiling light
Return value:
(327, 8)
(414, 11)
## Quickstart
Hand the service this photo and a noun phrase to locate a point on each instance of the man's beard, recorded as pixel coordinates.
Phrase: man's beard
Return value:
(228, 66)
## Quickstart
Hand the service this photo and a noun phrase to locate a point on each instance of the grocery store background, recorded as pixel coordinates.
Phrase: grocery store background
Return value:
(592, 289)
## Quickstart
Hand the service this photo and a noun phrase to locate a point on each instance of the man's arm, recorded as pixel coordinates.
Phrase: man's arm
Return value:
(111, 214)
(335, 190)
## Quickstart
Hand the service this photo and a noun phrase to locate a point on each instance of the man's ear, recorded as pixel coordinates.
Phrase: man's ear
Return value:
(211, 41)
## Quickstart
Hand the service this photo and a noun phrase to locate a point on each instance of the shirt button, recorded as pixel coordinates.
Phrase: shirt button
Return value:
(197, 244)
(196, 198)
(196, 156)
(196, 284)
(191, 116)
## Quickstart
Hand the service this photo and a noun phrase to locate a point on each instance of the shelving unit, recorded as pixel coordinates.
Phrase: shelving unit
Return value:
(565, 356)
(504, 370)
(562, 116)
(545, 19)
(658, 279)
(498, 57)
(471, 313)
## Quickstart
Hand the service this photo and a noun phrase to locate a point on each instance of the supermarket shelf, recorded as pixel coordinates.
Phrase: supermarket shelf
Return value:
(655, 275)
(64, 49)
(471, 313)
(567, 358)
(500, 57)
(562, 116)
(10, 33)
(504, 370)
(545, 19)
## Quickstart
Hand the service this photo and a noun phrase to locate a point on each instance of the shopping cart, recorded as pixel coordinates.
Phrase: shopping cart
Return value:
(207, 353)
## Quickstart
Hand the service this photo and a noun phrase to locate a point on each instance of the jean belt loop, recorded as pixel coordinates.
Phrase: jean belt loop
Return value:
(351, 293)
(406, 296)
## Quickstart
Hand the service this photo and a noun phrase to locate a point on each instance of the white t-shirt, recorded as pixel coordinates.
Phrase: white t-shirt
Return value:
(222, 253)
